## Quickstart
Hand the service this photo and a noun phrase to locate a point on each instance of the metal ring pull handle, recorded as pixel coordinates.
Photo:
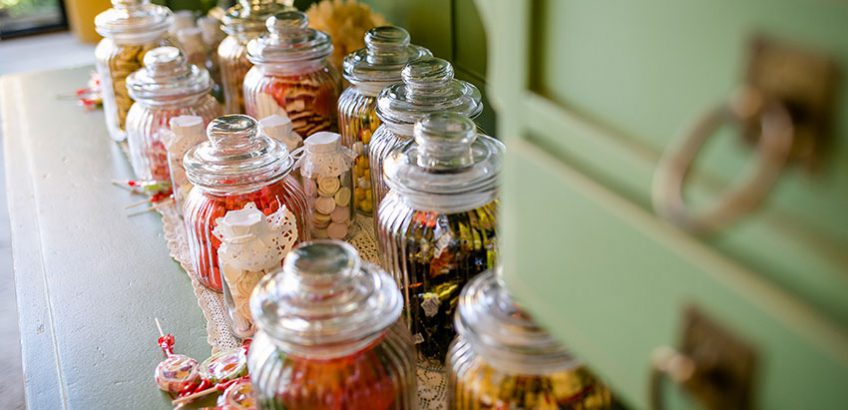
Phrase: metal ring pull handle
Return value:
(668, 364)
(742, 197)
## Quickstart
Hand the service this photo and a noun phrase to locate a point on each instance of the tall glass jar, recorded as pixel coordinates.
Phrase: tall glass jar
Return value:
(428, 86)
(242, 23)
(325, 171)
(369, 70)
(166, 87)
(238, 165)
(437, 226)
(329, 335)
(130, 29)
(502, 360)
(291, 75)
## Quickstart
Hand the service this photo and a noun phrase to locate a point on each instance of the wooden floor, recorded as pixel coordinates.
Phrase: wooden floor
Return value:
(36, 53)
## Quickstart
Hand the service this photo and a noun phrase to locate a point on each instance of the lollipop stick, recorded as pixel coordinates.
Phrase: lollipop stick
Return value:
(187, 399)
(136, 204)
(159, 326)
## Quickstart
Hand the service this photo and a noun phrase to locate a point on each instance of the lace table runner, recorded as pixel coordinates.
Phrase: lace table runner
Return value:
(432, 386)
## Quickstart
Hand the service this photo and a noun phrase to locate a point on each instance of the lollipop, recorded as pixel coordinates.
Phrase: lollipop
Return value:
(177, 372)
(239, 396)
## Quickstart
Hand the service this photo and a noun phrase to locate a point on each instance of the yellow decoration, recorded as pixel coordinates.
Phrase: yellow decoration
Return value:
(346, 21)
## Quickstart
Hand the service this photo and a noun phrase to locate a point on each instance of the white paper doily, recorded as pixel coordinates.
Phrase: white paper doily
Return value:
(432, 384)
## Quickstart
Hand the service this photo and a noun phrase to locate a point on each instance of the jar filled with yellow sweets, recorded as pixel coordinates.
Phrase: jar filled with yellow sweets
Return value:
(130, 29)
(369, 70)
(501, 359)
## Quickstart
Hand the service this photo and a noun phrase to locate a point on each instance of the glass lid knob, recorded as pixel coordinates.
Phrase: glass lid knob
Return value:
(232, 132)
(444, 141)
(165, 62)
(287, 21)
(427, 73)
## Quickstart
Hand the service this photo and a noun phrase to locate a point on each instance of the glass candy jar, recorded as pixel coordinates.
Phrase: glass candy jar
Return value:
(130, 29)
(291, 75)
(502, 360)
(325, 172)
(437, 226)
(329, 335)
(236, 166)
(186, 132)
(166, 87)
(369, 70)
(242, 23)
(428, 86)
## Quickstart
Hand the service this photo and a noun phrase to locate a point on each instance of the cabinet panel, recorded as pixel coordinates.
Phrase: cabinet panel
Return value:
(612, 281)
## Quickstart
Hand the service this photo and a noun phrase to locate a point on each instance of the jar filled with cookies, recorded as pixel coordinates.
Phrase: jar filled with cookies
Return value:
(130, 29)
(325, 167)
(369, 70)
(291, 75)
(238, 165)
(428, 86)
(437, 227)
(242, 23)
(502, 359)
(166, 87)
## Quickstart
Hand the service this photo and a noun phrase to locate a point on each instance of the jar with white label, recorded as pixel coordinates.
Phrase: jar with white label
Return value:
(325, 169)
(437, 227)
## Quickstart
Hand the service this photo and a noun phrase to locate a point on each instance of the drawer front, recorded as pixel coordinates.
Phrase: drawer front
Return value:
(589, 95)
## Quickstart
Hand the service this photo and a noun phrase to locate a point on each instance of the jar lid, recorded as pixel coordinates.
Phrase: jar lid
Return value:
(289, 40)
(387, 51)
(500, 331)
(236, 156)
(167, 77)
(448, 167)
(248, 16)
(133, 18)
(428, 86)
(325, 302)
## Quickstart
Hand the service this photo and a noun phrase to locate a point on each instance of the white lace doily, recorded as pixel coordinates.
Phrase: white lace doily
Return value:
(432, 384)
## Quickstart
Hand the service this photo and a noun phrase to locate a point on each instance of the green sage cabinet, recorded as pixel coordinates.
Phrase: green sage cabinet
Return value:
(591, 97)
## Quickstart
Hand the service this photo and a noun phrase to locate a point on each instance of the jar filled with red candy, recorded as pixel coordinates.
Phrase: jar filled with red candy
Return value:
(237, 166)
(166, 87)
(242, 22)
(291, 75)
(329, 335)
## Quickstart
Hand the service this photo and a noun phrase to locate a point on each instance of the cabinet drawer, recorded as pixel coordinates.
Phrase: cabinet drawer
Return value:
(612, 281)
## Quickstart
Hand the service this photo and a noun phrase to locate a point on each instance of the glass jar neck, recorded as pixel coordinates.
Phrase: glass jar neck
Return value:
(174, 103)
(445, 204)
(370, 89)
(293, 68)
(329, 352)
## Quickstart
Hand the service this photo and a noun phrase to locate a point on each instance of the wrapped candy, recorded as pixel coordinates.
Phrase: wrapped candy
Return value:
(252, 245)
(239, 396)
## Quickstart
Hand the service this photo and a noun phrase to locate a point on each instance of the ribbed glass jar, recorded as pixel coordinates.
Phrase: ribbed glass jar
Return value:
(502, 360)
(437, 227)
(369, 70)
(130, 29)
(428, 87)
(329, 335)
(242, 23)
(291, 75)
(165, 88)
(237, 166)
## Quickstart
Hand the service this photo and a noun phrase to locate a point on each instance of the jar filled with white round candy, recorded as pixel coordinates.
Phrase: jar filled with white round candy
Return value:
(252, 245)
(325, 166)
